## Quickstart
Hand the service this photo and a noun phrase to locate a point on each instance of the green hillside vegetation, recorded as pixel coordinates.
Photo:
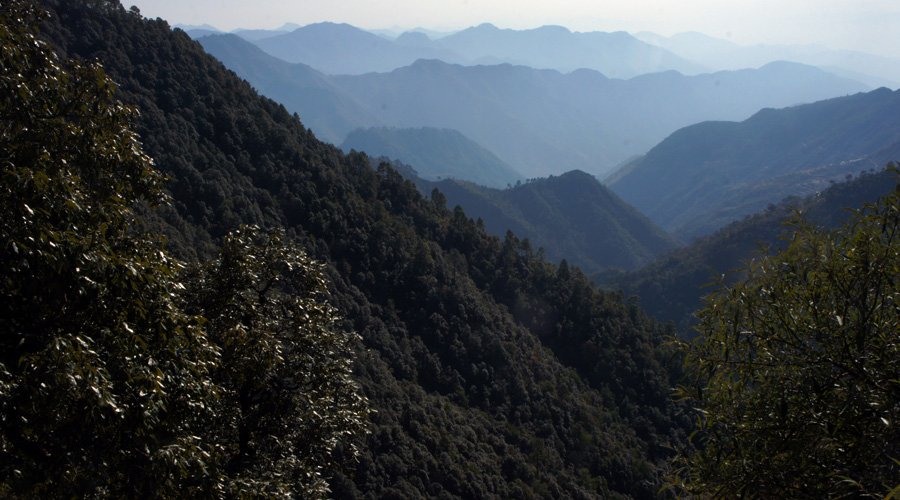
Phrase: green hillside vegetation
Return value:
(795, 376)
(330, 112)
(435, 154)
(672, 288)
(123, 373)
(490, 371)
(707, 175)
(571, 217)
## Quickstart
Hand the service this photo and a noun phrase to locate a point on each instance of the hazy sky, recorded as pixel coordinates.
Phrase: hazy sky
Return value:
(871, 25)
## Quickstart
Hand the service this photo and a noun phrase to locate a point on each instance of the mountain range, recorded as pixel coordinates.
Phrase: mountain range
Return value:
(344, 49)
(616, 55)
(716, 53)
(540, 122)
(338, 49)
(706, 175)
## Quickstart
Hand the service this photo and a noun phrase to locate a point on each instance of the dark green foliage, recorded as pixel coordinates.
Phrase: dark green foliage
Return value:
(704, 176)
(672, 288)
(572, 216)
(795, 375)
(435, 154)
(286, 401)
(474, 394)
(102, 375)
(116, 380)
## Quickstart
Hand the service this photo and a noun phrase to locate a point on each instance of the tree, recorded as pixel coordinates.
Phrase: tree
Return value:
(102, 375)
(796, 373)
(117, 380)
(289, 409)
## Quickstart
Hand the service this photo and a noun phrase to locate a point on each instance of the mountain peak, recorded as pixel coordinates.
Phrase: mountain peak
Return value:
(413, 37)
(578, 175)
(553, 28)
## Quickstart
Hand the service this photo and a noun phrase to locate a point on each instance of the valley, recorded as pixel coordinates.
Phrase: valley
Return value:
(321, 261)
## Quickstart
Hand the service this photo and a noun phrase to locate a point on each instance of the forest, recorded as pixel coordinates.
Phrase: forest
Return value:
(202, 299)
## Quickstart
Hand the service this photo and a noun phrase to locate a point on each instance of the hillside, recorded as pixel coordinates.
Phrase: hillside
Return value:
(491, 372)
(672, 288)
(329, 111)
(706, 175)
(435, 154)
(572, 217)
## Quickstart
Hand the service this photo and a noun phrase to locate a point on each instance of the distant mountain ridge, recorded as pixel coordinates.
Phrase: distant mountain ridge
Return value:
(335, 48)
(339, 49)
(544, 122)
(540, 122)
(616, 54)
(706, 175)
(435, 154)
(721, 54)
(571, 216)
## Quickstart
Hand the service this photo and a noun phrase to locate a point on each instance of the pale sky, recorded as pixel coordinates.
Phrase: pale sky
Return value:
(869, 25)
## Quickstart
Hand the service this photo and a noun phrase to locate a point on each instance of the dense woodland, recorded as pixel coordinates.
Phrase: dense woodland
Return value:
(488, 370)
(206, 300)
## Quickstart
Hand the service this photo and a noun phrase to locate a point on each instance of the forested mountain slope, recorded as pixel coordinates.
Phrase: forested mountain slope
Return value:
(492, 373)
(329, 111)
(541, 122)
(435, 154)
(706, 175)
(672, 288)
(572, 217)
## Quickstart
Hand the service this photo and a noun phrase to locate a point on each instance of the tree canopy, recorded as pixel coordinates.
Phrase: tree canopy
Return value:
(795, 374)
(117, 379)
